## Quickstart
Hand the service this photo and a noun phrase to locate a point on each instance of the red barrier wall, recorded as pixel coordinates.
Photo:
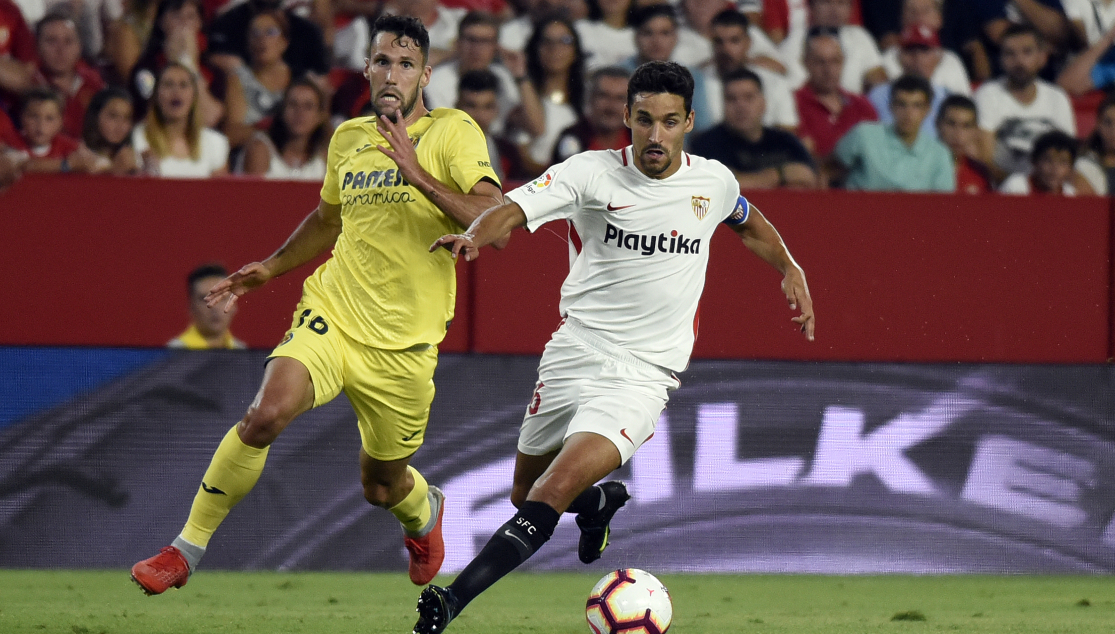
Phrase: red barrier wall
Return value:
(102, 261)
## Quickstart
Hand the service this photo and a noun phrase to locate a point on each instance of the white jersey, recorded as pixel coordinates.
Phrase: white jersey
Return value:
(641, 269)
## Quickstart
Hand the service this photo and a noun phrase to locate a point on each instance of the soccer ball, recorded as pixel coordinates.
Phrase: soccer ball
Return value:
(629, 601)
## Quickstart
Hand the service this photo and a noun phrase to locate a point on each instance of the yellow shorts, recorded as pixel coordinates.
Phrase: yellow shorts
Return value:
(391, 390)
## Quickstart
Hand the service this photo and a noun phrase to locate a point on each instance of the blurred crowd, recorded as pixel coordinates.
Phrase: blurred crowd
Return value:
(888, 95)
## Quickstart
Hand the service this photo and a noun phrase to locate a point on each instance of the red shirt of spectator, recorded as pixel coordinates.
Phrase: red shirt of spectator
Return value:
(780, 15)
(60, 147)
(16, 39)
(972, 177)
(61, 68)
(821, 127)
(495, 7)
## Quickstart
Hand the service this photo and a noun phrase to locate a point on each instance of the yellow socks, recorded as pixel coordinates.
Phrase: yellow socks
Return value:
(414, 511)
(233, 472)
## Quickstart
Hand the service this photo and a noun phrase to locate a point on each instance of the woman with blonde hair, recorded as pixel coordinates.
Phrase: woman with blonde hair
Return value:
(171, 141)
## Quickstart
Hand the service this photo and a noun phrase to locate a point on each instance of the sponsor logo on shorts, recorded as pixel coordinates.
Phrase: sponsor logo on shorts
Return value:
(649, 244)
(411, 437)
(286, 339)
(623, 432)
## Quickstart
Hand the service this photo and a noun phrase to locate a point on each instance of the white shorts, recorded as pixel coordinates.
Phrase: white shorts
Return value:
(588, 384)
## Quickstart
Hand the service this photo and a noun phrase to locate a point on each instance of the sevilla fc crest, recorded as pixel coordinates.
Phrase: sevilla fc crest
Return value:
(700, 206)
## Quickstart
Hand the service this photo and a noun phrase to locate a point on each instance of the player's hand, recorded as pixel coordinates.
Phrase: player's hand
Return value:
(797, 295)
(401, 147)
(457, 244)
(232, 287)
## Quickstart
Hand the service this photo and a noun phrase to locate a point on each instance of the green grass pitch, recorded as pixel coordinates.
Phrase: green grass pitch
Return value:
(106, 602)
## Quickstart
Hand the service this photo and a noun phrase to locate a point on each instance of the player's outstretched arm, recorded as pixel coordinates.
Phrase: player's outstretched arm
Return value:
(491, 227)
(316, 233)
(762, 239)
(464, 208)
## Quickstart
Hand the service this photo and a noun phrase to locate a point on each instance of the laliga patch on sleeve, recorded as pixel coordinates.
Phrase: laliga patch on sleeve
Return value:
(540, 183)
(740, 213)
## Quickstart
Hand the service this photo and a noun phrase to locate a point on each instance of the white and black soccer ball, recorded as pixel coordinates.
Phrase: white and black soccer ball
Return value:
(629, 601)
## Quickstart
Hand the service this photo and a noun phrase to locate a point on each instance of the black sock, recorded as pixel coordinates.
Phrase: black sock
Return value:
(588, 502)
(512, 544)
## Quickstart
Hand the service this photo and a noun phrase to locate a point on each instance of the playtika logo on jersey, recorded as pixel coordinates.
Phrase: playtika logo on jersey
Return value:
(650, 244)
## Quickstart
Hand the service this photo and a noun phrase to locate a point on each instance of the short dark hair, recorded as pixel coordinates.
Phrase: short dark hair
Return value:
(403, 26)
(474, 18)
(39, 94)
(211, 269)
(58, 14)
(661, 77)
(912, 83)
(741, 74)
(615, 72)
(731, 17)
(1022, 29)
(481, 80)
(642, 15)
(1054, 140)
(961, 102)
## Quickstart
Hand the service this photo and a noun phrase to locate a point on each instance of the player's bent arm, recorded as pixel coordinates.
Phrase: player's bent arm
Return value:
(316, 233)
(464, 208)
(492, 226)
(761, 238)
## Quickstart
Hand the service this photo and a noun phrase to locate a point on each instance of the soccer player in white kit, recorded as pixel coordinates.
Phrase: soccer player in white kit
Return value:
(645, 216)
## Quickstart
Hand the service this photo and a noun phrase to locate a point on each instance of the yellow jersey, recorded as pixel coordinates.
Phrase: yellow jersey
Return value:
(382, 286)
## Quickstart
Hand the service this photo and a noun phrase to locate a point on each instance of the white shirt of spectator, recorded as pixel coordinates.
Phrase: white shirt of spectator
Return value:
(861, 54)
(782, 110)
(1087, 11)
(1016, 125)
(278, 169)
(445, 79)
(950, 73)
(1019, 185)
(693, 49)
(605, 45)
(559, 116)
(638, 290)
(1092, 172)
(513, 35)
(213, 156)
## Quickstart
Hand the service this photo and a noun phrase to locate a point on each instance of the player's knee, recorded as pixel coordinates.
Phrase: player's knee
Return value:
(377, 493)
(262, 424)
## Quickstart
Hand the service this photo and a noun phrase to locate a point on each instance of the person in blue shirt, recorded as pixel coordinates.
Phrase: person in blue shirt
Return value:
(898, 156)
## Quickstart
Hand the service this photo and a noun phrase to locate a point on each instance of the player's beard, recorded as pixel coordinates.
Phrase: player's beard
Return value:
(662, 164)
(406, 106)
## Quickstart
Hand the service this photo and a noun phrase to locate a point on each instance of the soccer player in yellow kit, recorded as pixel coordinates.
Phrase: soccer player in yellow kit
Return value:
(372, 315)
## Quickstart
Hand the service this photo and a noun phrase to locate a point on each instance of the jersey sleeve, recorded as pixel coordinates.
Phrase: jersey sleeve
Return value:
(330, 189)
(555, 195)
(736, 208)
(466, 154)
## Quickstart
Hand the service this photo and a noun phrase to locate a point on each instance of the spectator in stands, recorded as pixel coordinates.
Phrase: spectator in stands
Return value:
(17, 49)
(1097, 160)
(1090, 19)
(945, 67)
(42, 145)
(253, 90)
(440, 21)
(514, 34)
(478, 96)
(1092, 69)
(477, 45)
(172, 142)
(958, 130)
(656, 35)
(732, 50)
(694, 47)
(996, 18)
(209, 327)
(761, 157)
(827, 111)
(177, 37)
(126, 37)
(602, 126)
(919, 55)
(863, 64)
(307, 51)
(294, 146)
(107, 135)
(898, 156)
(1019, 106)
(555, 72)
(607, 37)
(1052, 158)
(62, 69)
